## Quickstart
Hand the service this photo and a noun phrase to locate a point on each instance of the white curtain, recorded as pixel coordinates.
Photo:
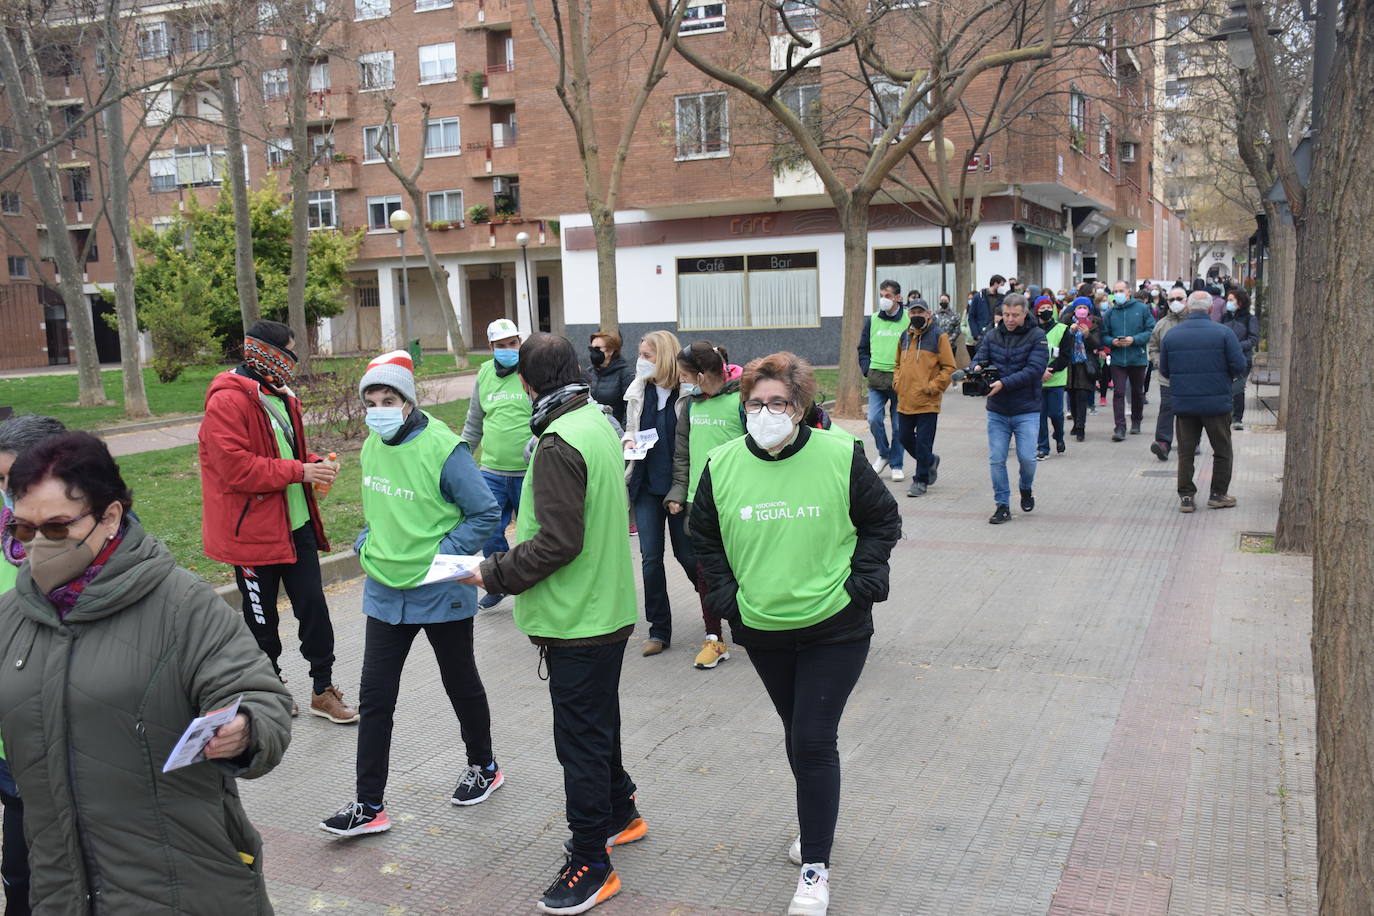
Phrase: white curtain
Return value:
(783, 298)
(710, 300)
(925, 277)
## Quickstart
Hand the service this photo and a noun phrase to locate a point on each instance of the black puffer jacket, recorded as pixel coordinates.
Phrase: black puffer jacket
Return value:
(609, 384)
(872, 511)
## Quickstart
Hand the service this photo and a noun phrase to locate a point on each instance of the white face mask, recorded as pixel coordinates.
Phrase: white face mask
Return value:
(1176, 305)
(769, 430)
(645, 368)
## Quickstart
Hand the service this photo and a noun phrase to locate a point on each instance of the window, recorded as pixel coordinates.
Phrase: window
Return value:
(367, 295)
(10, 203)
(1175, 59)
(1078, 120)
(200, 40)
(887, 103)
(379, 210)
(371, 9)
(377, 146)
(422, 5)
(702, 16)
(158, 105)
(322, 147)
(209, 105)
(99, 59)
(805, 101)
(275, 84)
(1178, 21)
(267, 13)
(71, 115)
(442, 137)
(445, 206)
(1104, 143)
(703, 125)
(80, 180)
(19, 267)
(152, 40)
(1175, 90)
(801, 15)
(186, 167)
(278, 152)
(748, 291)
(438, 63)
(376, 71)
(7, 138)
(321, 210)
(319, 76)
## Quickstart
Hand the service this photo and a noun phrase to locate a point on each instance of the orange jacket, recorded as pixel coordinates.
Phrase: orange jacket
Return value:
(924, 366)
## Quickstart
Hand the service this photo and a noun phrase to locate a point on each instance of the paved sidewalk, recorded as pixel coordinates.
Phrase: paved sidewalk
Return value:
(1099, 708)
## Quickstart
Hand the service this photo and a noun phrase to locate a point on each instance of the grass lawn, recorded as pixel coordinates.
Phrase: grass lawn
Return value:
(827, 382)
(55, 395)
(166, 485)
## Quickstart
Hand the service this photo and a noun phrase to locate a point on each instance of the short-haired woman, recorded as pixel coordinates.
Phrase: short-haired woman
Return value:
(610, 376)
(762, 502)
(652, 402)
(713, 417)
(110, 651)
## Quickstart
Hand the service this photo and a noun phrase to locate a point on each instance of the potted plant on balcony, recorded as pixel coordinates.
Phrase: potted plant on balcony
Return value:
(504, 213)
(343, 157)
(478, 213)
(439, 225)
(1078, 140)
(478, 81)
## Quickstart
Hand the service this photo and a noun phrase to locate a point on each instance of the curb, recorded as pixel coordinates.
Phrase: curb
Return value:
(146, 425)
(335, 568)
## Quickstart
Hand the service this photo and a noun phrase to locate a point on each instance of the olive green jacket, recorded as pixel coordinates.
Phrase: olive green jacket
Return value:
(91, 707)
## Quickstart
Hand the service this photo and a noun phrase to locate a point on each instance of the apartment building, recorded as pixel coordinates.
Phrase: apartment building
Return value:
(718, 236)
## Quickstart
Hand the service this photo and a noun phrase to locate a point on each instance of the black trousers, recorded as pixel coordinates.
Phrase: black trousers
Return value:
(1164, 423)
(809, 688)
(1124, 377)
(385, 648)
(916, 432)
(259, 586)
(584, 687)
(1079, 402)
(14, 857)
(1218, 429)
(651, 517)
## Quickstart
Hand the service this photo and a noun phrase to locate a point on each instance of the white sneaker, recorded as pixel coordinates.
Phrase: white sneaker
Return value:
(794, 851)
(813, 892)
(898, 474)
(879, 464)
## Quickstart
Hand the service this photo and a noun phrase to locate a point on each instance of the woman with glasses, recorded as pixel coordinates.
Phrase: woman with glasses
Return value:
(110, 651)
(793, 529)
(713, 417)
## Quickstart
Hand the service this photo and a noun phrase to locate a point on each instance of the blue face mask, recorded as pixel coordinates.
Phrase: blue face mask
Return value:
(1119, 298)
(384, 421)
(1231, 306)
(689, 389)
(506, 358)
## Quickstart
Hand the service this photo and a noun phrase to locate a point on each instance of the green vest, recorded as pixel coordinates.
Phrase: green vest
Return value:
(595, 593)
(786, 529)
(715, 421)
(407, 517)
(1054, 339)
(883, 337)
(9, 574)
(506, 421)
(297, 509)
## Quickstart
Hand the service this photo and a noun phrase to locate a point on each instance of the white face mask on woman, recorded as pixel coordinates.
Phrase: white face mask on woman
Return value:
(645, 368)
(768, 430)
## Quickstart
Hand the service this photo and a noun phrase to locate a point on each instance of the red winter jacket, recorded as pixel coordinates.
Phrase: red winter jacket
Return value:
(243, 483)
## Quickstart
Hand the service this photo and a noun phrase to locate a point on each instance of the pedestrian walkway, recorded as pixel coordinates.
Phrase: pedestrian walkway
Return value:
(1103, 707)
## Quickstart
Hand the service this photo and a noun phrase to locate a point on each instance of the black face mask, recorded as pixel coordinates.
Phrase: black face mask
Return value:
(597, 357)
(1047, 317)
(918, 322)
(944, 304)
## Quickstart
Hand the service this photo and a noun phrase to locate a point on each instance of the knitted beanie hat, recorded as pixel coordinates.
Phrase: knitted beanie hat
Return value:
(395, 370)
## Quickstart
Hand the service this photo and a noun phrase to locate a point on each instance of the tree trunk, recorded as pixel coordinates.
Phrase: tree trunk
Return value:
(1293, 533)
(439, 274)
(1279, 293)
(1335, 244)
(850, 398)
(135, 397)
(245, 279)
(961, 240)
(29, 109)
(300, 199)
(603, 227)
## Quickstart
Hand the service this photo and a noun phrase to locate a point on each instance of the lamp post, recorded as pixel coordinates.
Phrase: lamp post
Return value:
(933, 152)
(523, 240)
(401, 222)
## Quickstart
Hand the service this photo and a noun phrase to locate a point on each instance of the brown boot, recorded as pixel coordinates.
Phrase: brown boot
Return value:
(330, 705)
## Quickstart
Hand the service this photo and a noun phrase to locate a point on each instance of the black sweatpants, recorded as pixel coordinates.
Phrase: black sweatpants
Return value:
(1190, 430)
(1079, 401)
(385, 648)
(14, 858)
(584, 687)
(259, 586)
(809, 688)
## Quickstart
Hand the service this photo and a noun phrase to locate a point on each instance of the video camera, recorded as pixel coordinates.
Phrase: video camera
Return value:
(977, 383)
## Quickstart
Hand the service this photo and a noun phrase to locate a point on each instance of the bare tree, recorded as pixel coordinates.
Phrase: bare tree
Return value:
(571, 46)
(245, 279)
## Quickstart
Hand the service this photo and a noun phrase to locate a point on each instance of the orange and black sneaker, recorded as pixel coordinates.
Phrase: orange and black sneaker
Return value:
(632, 829)
(579, 887)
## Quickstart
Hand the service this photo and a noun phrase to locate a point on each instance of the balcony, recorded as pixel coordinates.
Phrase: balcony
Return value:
(322, 107)
(330, 175)
(1129, 206)
(468, 236)
(485, 14)
(498, 87)
(486, 160)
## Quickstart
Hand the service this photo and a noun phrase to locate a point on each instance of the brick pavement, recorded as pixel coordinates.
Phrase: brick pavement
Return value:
(1100, 708)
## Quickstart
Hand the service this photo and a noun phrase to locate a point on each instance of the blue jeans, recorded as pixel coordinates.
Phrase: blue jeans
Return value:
(650, 517)
(506, 491)
(1025, 426)
(891, 450)
(1051, 412)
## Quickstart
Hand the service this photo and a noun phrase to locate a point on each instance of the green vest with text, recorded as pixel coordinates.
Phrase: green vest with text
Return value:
(1054, 339)
(595, 593)
(786, 529)
(406, 514)
(297, 509)
(883, 337)
(715, 421)
(506, 421)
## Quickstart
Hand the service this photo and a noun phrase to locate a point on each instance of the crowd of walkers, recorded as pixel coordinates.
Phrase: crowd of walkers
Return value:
(111, 649)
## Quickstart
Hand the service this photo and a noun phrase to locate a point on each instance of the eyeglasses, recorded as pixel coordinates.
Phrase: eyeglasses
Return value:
(774, 405)
(23, 532)
(1175, 298)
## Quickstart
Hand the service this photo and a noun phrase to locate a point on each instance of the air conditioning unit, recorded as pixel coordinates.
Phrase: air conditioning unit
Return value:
(1128, 152)
(500, 185)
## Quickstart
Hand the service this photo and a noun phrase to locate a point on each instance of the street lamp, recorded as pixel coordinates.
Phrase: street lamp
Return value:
(1235, 31)
(400, 221)
(933, 152)
(523, 240)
